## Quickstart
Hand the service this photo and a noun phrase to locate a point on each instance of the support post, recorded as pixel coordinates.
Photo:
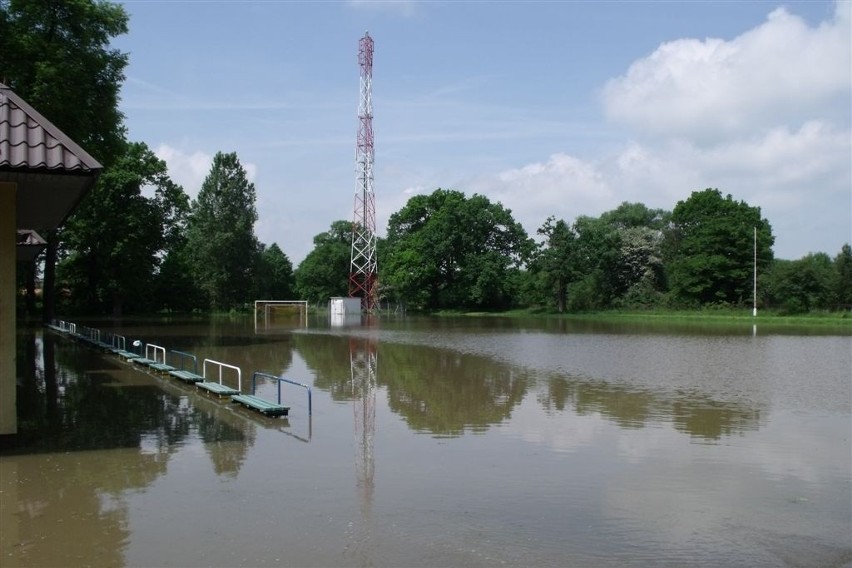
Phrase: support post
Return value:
(8, 239)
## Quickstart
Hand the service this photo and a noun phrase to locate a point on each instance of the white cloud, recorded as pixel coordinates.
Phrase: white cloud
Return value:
(563, 186)
(800, 179)
(188, 169)
(764, 117)
(780, 72)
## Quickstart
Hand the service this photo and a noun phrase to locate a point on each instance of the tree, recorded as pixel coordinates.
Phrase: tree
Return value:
(324, 273)
(175, 289)
(710, 248)
(449, 251)
(799, 286)
(638, 275)
(221, 240)
(49, 47)
(597, 260)
(555, 263)
(274, 274)
(633, 215)
(118, 236)
(843, 278)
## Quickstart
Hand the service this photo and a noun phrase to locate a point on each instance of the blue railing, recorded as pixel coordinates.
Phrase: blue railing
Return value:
(279, 381)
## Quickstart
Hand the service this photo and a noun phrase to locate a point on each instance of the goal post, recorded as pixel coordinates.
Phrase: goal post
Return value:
(274, 313)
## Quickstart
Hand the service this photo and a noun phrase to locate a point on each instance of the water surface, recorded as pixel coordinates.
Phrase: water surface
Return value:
(437, 442)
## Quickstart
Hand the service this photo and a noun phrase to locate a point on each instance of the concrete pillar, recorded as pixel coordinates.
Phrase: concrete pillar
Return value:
(8, 395)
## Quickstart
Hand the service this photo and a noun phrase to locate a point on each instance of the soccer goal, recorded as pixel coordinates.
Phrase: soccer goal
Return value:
(271, 314)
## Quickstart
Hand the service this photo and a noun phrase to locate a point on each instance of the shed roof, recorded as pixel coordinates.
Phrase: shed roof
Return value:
(30, 141)
(29, 245)
(52, 172)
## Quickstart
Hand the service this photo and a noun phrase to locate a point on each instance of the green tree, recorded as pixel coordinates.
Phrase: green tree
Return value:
(449, 251)
(221, 240)
(274, 274)
(710, 249)
(597, 260)
(175, 289)
(799, 286)
(324, 273)
(47, 47)
(634, 215)
(638, 276)
(118, 236)
(843, 278)
(555, 263)
(56, 55)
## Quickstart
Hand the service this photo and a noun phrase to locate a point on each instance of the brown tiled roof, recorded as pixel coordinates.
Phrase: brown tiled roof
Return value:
(28, 141)
(50, 171)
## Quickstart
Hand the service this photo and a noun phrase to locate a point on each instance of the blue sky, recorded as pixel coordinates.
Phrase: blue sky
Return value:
(550, 108)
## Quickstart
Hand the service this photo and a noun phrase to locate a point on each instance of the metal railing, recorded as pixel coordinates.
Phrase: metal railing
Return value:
(182, 356)
(223, 366)
(151, 348)
(279, 381)
(119, 342)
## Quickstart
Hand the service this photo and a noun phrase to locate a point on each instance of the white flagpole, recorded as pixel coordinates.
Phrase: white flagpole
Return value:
(754, 311)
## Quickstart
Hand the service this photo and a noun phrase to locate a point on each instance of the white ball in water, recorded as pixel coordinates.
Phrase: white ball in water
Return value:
(137, 343)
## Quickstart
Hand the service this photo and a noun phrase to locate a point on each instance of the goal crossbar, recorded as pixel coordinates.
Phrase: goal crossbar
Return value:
(263, 309)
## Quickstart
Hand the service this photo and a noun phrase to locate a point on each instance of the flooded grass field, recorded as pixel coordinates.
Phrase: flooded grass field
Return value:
(436, 442)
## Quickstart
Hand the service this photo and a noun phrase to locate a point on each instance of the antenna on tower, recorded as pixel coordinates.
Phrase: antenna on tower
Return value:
(363, 281)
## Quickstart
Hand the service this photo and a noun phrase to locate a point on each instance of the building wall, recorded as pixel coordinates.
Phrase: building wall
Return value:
(344, 306)
(8, 413)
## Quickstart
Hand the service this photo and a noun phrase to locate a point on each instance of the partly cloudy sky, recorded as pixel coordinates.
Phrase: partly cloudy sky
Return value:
(550, 108)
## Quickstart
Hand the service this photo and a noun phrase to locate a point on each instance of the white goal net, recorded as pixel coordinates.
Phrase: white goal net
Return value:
(272, 314)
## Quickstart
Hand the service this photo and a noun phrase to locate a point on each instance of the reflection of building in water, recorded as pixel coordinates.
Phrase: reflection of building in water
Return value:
(362, 357)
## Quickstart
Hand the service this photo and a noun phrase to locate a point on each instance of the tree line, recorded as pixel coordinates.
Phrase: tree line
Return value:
(448, 251)
(138, 244)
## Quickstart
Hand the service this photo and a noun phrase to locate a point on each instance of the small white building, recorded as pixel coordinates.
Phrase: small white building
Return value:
(344, 306)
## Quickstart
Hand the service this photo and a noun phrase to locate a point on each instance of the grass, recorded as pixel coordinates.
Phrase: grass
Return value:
(841, 321)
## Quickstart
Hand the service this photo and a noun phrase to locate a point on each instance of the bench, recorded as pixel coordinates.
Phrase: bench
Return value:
(261, 405)
(128, 355)
(217, 388)
(186, 376)
(162, 367)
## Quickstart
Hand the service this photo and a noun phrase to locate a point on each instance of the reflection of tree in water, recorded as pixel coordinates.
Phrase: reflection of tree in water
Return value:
(447, 393)
(73, 402)
(327, 356)
(73, 398)
(225, 444)
(478, 393)
(630, 407)
(70, 511)
(703, 417)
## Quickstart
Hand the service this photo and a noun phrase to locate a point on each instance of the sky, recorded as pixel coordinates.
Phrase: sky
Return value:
(550, 108)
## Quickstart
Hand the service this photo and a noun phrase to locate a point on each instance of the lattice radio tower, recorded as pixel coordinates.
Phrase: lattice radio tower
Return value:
(363, 282)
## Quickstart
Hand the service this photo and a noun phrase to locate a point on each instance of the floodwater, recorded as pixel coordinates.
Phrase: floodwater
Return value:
(436, 442)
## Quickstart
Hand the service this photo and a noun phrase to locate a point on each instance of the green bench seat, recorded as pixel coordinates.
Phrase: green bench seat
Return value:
(261, 405)
(186, 376)
(217, 388)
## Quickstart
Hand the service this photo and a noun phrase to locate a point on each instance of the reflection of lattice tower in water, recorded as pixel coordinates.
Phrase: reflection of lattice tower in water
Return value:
(363, 281)
(363, 365)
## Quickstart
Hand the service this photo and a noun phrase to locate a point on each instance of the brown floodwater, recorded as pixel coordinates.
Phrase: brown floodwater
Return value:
(435, 442)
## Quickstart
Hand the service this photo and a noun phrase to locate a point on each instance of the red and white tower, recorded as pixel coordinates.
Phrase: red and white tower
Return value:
(363, 281)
